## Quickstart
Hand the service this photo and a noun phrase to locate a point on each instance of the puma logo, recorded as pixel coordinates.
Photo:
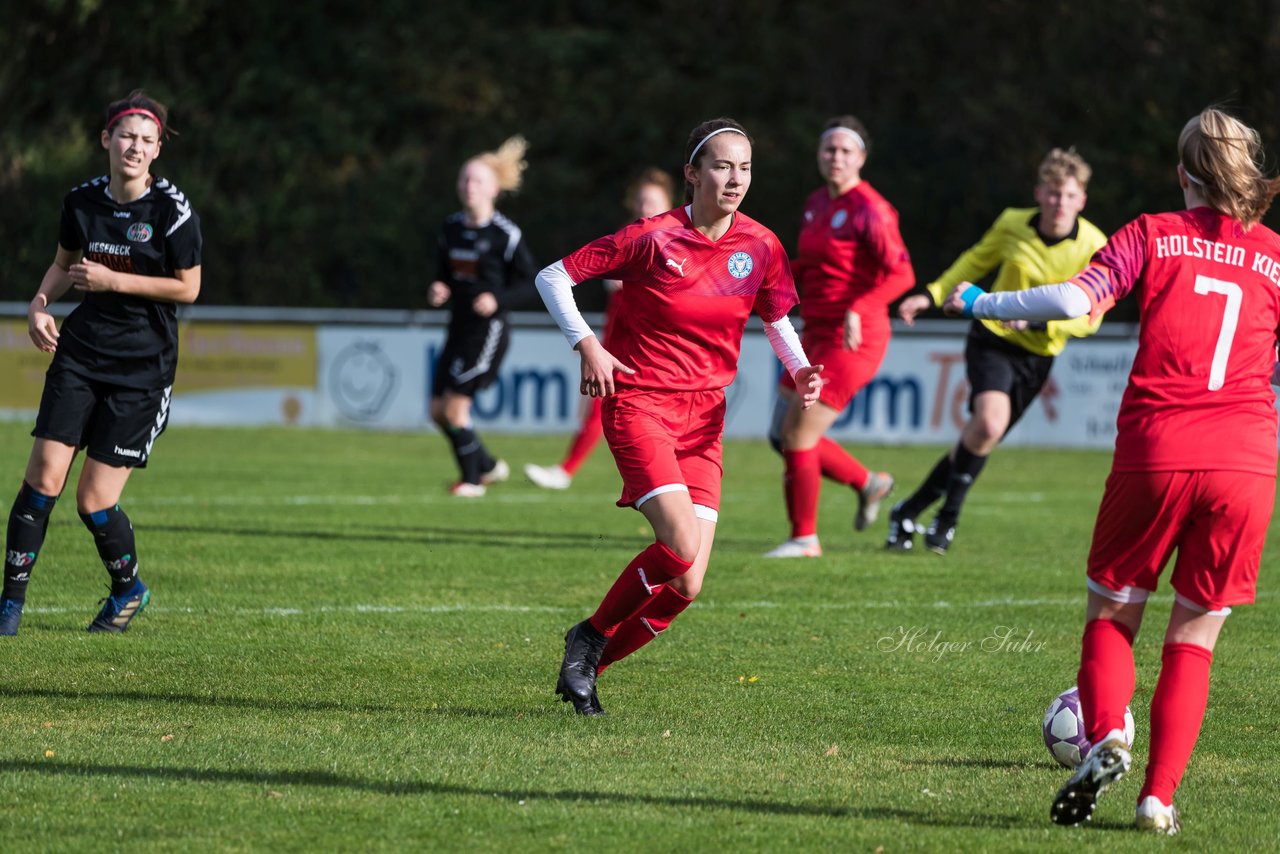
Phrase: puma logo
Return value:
(679, 268)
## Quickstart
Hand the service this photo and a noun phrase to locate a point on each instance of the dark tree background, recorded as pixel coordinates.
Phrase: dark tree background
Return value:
(320, 141)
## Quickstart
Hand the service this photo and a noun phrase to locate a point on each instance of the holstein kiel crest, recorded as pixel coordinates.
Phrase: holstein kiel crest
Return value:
(740, 265)
(139, 232)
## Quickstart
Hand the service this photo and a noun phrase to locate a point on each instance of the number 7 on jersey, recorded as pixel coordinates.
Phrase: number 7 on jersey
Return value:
(1230, 318)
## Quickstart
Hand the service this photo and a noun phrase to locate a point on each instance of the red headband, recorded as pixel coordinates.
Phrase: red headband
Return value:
(135, 110)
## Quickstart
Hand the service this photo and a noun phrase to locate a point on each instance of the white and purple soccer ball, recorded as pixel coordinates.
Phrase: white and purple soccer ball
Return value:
(1064, 729)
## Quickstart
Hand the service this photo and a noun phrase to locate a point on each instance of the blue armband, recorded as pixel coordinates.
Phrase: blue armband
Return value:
(968, 297)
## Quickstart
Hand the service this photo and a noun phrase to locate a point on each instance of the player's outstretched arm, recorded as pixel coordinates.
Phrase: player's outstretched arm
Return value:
(1048, 302)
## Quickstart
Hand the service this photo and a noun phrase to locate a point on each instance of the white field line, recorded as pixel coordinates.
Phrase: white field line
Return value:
(286, 611)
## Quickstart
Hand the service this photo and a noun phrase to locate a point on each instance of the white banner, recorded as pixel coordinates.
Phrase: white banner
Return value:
(381, 377)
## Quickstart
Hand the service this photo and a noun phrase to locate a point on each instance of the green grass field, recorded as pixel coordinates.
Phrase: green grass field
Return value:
(338, 656)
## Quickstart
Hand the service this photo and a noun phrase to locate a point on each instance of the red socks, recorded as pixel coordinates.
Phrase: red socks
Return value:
(651, 621)
(585, 440)
(637, 585)
(1106, 676)
(801, 484)
(1177, 710)
(840, 466)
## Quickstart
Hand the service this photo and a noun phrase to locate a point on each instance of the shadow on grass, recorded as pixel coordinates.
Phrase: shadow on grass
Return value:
(278, 704)
(326, 779)
(422, 535)
(480, 537)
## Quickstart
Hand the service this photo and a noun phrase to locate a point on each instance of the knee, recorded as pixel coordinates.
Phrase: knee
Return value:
(985, 431)
(685, 542)
(688, 585)
(437, 414)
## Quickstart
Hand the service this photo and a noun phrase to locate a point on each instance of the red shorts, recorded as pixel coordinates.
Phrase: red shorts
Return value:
(1217, 521)
(844, 372)
(664, 438)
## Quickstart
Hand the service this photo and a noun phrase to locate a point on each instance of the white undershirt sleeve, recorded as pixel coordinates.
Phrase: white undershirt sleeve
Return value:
(782, 337)
(1047, 302)
(555, 286)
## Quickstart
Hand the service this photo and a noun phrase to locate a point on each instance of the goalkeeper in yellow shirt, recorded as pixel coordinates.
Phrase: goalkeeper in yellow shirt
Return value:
(1006, 364)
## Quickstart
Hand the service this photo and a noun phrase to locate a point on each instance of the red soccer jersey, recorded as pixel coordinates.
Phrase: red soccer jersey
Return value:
(1199, 394)
(687, 298)
(851, 257)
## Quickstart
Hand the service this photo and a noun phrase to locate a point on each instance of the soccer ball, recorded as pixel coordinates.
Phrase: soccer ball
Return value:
(1064, 730)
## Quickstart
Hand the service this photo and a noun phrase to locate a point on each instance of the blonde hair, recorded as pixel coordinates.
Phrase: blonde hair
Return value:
(1223, 157)
(1061, 165)
(507, 162)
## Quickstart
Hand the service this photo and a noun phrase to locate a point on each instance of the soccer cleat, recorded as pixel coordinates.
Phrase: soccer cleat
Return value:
(577, 683)
(462, 489)
(902, 531)
(10, 616)
(548, 477)
(939, 536)
(1107, 763)
(1156, 817)
(118, 611)
(797, 547)
(879, 485)
(500, 472)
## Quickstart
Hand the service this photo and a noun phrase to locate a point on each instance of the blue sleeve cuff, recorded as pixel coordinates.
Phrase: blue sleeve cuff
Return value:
(968, 297)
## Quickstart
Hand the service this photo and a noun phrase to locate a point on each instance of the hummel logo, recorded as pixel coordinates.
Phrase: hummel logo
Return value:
(679, 268)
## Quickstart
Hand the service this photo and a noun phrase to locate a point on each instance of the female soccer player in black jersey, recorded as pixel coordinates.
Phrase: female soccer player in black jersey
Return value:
(485, 266)
(130, 242)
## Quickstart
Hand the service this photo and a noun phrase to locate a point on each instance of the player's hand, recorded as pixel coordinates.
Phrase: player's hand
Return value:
(913, 305)
(91, 276)
(852, 330)
(437, 294)
(485, 304)
(809, 385)
(598, 367)
(1016, 325)
(41, 326)
(954, 304)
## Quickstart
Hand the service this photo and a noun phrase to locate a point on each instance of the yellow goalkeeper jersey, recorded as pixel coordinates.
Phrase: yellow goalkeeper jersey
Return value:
(1025, 262)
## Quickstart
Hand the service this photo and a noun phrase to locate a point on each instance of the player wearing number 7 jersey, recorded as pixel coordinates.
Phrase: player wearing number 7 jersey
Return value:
(1195, 459)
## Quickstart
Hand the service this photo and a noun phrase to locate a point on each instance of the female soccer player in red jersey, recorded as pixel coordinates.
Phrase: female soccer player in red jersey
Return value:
(691, 278)
(850, 264)
(484, 266)
(130, 242)
(1206, 282)
(651, 193)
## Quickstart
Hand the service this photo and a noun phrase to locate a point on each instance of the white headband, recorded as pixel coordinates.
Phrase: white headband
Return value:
(841, 129)
(698, 147)
(1192, 178)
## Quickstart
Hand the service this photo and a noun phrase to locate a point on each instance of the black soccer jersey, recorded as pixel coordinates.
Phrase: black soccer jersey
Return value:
(493, 258)
(117, 338)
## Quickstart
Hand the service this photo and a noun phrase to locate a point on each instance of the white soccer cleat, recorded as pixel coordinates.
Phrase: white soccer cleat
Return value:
(1156, 817)
(462, 489)
(500, 472)
(1106, 763)
(802, 547)
(548, 477)
(879, 485)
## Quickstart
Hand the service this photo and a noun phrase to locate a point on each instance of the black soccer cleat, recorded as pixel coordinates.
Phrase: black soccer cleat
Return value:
(939, 536)
(118, 611)
(1106, 764)
(902, 531)
(10, 616)
(583, 646)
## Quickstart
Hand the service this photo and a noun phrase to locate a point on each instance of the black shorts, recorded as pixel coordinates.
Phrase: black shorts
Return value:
(471, 356)
(115, 424)
(993, 364)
